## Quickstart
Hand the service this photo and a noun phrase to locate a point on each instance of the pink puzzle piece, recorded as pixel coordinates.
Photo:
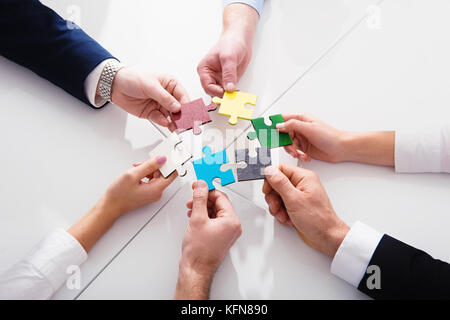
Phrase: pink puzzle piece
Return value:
(192, 115)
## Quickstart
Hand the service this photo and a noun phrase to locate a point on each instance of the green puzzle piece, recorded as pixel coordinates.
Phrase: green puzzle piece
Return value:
(269, 136)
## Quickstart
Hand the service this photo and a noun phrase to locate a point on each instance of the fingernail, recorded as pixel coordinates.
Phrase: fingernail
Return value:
(229, 86)
(175, 105)
(270, 170)
(280, 125)
(161, 159)
(199, 184)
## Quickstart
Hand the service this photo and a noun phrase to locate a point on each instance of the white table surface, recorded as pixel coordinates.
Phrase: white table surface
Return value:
(323, 57)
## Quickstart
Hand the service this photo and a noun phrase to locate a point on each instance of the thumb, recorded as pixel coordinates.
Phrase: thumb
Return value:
(164, 98)
(293, 125)
(280, 183)
(149, 166)
(229, 72)
(200, 200)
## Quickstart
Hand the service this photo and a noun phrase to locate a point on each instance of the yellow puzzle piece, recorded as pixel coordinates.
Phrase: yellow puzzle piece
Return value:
(233, 105)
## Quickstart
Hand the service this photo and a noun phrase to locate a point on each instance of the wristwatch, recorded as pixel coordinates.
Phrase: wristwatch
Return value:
(107, 78)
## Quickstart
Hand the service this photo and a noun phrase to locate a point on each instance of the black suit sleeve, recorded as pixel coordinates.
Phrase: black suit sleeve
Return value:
(36, 37)
(407, 273)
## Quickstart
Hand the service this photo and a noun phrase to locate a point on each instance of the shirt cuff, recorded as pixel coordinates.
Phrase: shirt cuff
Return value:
(354, 254)
(91, 84)
(54, 254)
(422, 151)
(256, 4)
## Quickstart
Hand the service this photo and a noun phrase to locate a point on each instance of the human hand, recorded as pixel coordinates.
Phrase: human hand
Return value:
(313, 139)
(227, 61)
(213, 228)
(130, 192)
(148, 96)
(297, 198)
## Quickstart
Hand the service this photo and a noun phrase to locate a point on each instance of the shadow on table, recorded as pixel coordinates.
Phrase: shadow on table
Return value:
(77, 145)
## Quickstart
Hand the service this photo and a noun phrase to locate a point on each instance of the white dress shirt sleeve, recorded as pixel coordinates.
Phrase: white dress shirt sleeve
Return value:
(256, 4)
(422, 151)
(91, 84)
(44, 271)
(353, 256)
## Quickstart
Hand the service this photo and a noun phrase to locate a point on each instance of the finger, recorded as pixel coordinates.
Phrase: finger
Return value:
(295, 126)
(229, 71)
(214, 90)
(274, 203)
(282, 217)
(189, 203)
(266, 187)
(200, 200)
(210, 83)
(163, 97)
(180, 93)
(305, 117)
(157, 117)
(291, 150)
(279, 182)
(162, 183)
(222, 203)
(277, 209)
(149, 167)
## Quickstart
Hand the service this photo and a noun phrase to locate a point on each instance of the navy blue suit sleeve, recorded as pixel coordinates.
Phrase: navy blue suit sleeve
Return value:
(407, 273)
(34, 36)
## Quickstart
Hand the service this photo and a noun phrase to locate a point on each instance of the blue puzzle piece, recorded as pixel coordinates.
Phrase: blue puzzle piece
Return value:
(208, 168)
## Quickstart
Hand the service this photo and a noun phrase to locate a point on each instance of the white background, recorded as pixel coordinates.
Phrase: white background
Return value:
(326, 57)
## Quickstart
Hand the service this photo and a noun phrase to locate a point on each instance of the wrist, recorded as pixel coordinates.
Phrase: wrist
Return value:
(348, 142)
(334, 238)
(106, 209)
(375, 147)
(193, 283)
(107, 79)
(205, 271)
(240, 21)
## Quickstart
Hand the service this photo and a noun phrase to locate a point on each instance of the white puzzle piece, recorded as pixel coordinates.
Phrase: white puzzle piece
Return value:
(177, 155)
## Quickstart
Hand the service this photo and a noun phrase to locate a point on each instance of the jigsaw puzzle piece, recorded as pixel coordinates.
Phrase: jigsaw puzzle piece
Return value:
(255, 165)
(193, 115)
(269, 136)
(233, 105)
(176, 154)
(208, 168)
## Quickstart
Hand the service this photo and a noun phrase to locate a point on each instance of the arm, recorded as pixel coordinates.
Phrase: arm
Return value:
(405, 273)
(45, 269)
(125, 194)
(408, 150)
(296, 198)
(213, 228)
(36, 37)
(314, 138)
(227, 61)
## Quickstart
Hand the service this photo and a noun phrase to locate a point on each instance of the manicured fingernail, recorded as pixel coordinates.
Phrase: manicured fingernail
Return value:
(175, 105)
(161, 159)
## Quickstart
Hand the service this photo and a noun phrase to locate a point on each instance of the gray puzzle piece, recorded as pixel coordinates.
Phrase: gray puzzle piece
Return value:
(255, 165)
